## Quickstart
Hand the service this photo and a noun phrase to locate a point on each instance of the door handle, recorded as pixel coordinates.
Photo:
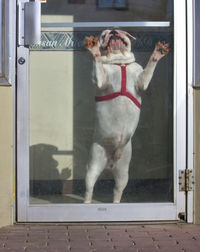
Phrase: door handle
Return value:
(32, 22)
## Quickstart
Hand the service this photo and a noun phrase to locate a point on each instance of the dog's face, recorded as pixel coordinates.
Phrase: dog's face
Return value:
(115, 41)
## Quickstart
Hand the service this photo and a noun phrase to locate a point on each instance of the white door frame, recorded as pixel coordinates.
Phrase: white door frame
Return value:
(105, 212)
(190, 113)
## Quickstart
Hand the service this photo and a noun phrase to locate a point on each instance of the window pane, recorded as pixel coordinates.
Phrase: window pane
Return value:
(110, 10)
(62, 121)
(62, 105)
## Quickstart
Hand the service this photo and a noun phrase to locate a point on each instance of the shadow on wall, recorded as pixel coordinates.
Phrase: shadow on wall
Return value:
(45, 177)
(46, 182)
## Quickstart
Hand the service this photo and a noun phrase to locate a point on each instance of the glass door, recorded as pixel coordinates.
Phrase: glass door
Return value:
(101, 112)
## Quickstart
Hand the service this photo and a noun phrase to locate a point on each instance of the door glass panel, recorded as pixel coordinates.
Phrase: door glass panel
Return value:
(62, 108)
(109, 10)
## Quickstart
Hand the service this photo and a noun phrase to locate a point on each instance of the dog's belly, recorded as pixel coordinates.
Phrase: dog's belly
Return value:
(116, 122)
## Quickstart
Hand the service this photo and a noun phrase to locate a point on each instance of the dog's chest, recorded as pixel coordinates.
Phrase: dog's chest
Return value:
(118, 75)
(121, 110)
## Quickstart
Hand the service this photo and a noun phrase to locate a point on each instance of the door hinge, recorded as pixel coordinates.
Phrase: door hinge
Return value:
(186, 180)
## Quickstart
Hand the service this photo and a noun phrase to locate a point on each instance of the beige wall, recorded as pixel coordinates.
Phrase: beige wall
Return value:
(6, 157)
(51, 115)
(197, 154)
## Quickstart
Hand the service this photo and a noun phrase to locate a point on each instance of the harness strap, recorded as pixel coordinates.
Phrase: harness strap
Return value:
(123, 91)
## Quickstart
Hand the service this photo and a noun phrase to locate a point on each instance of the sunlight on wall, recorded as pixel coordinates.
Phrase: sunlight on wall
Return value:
(51, 111)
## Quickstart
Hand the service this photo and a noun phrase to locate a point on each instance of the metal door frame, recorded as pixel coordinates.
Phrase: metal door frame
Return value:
(105, 212)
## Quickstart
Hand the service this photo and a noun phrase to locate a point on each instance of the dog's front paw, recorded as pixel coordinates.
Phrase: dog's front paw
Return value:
(91, 41)
(92, 44)
(160, 51)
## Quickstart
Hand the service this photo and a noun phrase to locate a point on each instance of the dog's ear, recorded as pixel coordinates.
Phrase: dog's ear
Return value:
(130, 36)
(103, 35)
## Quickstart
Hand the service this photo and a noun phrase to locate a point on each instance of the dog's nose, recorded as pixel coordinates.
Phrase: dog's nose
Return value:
(113, 32)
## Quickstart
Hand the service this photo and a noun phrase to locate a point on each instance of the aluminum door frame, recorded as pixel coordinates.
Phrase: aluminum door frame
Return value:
(105, 212)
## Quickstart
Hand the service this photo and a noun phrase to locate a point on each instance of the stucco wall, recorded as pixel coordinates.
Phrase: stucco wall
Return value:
(197, 155)
(6, 157)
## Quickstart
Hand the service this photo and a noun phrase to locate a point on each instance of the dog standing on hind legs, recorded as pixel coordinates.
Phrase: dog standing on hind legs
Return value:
(119, 81)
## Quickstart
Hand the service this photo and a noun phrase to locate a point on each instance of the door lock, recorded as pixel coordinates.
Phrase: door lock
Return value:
(21, 60)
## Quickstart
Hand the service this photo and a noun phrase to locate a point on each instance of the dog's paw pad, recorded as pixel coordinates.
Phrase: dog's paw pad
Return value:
(91, 41)
(162, 47)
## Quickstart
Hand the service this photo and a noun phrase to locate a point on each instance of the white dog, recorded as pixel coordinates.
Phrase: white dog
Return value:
(119, 81)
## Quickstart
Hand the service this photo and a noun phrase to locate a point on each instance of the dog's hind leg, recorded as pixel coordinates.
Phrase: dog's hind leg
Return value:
(96, 164)
(120, 172)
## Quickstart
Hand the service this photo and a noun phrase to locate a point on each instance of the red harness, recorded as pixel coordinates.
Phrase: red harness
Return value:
(123, 91)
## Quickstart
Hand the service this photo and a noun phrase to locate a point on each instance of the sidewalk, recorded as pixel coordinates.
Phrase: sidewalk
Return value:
(100, 238)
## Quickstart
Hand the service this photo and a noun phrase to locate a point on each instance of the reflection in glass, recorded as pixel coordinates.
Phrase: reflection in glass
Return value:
(110, 10)
(62, 108)
(62, 127)
(116, 4)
